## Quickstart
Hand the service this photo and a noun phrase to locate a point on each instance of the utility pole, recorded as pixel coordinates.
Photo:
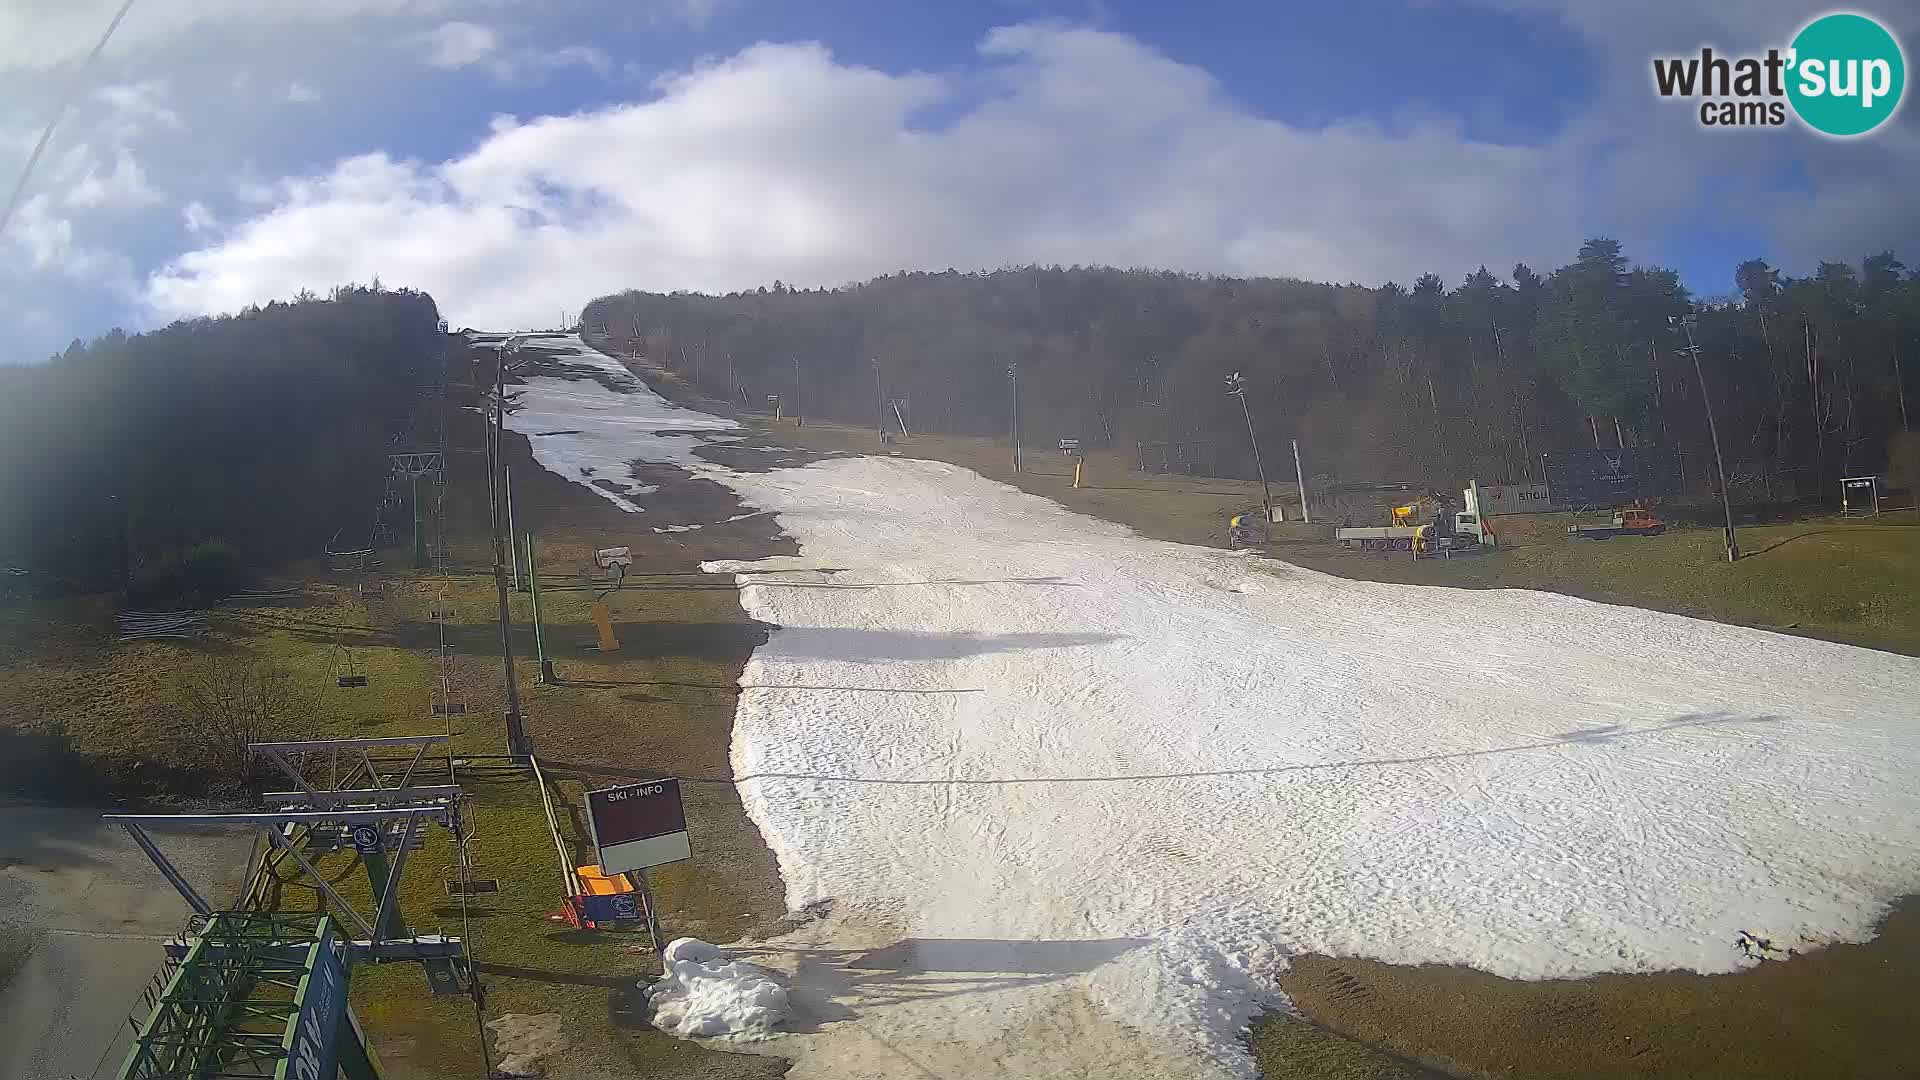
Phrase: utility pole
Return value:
(1013, 377)
(1237, 387)
(516, 728)
(513, 542)
(1300, 477)
(547, 677)
(880, 403)
(1686, 323)
(799, 414)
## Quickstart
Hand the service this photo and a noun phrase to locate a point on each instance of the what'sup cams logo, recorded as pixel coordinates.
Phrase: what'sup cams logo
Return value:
(1843, 75)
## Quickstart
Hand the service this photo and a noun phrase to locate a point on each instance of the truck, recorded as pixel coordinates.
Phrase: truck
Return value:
(1468, 533)
(1627, 521)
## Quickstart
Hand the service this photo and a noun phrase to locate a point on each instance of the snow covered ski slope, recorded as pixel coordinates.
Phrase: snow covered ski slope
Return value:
(1090, 774)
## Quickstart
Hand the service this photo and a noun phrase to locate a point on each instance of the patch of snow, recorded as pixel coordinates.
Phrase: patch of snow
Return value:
(704, 993)
(522, 1040)
(723, 521)
(589, 431)
(1096, 783)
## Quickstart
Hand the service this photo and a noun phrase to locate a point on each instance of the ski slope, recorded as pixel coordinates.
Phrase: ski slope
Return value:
(1084, 772)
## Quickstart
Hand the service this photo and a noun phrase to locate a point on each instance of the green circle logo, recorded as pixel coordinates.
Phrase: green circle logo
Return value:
(1847, 74)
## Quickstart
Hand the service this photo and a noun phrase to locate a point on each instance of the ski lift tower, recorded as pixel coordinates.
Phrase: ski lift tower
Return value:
(412, 466)
(261, 993)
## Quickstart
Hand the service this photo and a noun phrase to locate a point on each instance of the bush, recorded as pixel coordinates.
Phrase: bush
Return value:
(222, 703)
(187, 577)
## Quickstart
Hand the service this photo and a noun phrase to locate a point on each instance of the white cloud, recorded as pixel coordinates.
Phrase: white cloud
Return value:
(47, 241)
(125, 185)
(780, 162)
(454, 45)
(300, 93)
(136, 108)
(197, 217)
(36, 35)
(695, 13)
(1061, 145)
(459, 44)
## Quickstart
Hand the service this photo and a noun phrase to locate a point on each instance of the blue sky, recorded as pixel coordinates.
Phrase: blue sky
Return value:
(224, 152)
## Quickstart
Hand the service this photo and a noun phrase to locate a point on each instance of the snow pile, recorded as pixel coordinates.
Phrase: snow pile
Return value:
(1095, 776)
(522, 1040)
(706, 994)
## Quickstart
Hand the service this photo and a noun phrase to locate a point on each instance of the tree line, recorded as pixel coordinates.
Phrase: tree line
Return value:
(1810, 377)
(256, 436)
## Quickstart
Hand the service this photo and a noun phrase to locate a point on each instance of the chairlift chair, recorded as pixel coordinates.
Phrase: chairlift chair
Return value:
(348, 673)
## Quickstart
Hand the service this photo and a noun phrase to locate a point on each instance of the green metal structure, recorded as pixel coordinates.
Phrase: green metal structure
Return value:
(258, 995)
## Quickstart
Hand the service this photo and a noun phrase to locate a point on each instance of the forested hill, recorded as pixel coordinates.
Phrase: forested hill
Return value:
(1432, 383)
(265, 431)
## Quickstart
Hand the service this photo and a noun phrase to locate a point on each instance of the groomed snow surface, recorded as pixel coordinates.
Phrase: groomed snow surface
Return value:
(1068, 787)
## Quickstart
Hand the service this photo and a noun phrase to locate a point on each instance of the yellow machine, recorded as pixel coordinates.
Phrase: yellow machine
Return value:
(1413, 513)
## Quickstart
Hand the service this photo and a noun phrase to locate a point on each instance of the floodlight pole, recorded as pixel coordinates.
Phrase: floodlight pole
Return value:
(516, 728)
(513, 542)
(1013, 378)
(1300, 477)
(1686, 323)
(547, 677)
(1237, 387)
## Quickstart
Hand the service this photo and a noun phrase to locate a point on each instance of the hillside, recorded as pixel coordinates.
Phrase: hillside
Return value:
(139, 448)
(1427, 384)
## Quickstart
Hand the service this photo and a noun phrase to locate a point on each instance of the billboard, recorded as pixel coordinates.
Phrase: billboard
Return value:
(1611, 477)
(635, 826)
(1496, 499)
(313, 1038)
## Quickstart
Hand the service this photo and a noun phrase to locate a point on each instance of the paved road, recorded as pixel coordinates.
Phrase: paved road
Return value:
(82, 916)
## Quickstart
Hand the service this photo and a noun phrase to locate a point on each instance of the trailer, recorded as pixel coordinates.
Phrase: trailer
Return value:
(1387, 538)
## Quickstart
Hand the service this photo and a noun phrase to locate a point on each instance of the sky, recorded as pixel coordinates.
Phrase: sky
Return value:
(517, 159)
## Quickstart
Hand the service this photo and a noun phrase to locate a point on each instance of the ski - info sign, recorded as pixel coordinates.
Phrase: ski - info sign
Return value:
(635, 826)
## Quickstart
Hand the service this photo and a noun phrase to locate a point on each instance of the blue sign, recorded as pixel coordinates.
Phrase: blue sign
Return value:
(323, 1001)
(601, 909)
(366, 839)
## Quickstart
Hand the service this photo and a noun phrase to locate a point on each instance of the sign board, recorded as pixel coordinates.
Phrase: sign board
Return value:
(366, 839)
(635, 826)
(1497, 499)
(1611, 477)
(619, 907)
(608, 558)
(312, 1041)
(1070, 447)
